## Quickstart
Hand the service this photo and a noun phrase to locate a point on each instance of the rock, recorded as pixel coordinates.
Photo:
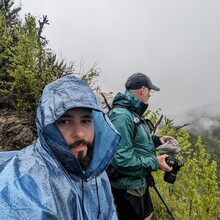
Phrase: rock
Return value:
(16, 130)
(105, 99)
(6, 100)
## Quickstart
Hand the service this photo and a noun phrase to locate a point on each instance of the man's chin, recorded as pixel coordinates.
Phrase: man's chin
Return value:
(83, 153)
(84, 160)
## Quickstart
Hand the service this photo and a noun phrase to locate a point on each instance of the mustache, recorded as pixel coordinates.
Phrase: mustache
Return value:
(80, 142)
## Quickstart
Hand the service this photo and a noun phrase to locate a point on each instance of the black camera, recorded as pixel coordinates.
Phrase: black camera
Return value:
(176, 164)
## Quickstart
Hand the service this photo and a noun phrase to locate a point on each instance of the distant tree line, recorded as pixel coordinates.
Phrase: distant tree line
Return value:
(27, 65)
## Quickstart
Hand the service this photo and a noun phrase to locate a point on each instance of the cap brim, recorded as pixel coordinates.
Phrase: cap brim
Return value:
(154, 87)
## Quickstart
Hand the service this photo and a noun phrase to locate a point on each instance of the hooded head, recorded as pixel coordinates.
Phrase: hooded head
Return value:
(61, 98)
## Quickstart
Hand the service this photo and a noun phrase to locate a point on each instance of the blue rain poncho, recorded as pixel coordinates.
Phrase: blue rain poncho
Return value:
(44, 180)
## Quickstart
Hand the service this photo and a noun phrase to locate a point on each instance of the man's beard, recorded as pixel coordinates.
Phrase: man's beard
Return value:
(84, 161)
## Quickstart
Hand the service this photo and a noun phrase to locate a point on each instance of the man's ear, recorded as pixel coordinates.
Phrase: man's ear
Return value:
(142, 90)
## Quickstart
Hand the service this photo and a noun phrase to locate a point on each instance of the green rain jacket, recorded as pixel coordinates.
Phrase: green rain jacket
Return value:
(136, 156)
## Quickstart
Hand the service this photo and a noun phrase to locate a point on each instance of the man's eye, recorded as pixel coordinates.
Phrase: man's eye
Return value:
(87, 121)
(64, 122)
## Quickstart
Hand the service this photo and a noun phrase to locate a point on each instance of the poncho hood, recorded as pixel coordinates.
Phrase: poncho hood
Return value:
(58, 97)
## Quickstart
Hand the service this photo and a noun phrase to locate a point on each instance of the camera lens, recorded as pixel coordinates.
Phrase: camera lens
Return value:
(170, 177)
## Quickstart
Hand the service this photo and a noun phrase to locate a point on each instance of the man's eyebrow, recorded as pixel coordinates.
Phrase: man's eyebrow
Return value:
(65, 116)
(86, 116)
(82, 116)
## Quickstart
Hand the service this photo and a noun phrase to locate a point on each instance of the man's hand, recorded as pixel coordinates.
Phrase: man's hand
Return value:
(162, 163)
(164, 139)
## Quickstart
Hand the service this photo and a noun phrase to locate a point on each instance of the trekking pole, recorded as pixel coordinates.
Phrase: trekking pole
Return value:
(152, 184)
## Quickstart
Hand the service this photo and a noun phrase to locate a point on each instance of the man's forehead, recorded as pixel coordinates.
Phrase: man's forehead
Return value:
(78, 111)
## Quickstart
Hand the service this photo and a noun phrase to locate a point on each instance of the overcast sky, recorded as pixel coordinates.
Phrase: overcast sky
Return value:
(175, 42)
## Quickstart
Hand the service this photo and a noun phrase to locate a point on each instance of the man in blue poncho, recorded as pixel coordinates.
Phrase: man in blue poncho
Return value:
(62, 176)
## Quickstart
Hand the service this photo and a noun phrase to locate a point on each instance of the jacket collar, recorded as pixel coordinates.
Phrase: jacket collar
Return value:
(129, 101)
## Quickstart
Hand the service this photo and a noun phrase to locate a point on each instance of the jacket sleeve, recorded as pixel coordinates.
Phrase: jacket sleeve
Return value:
(156, 140)
(128, 160)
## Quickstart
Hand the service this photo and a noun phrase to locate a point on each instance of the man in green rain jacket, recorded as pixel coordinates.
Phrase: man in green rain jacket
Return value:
(136, 157)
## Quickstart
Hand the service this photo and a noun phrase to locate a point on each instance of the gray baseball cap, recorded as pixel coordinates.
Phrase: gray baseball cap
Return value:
(137, 80)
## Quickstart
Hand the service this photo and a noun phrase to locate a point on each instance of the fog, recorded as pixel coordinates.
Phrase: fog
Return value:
(175, 43)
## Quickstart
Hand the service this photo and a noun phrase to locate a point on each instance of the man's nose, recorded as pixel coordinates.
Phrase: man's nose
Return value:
(77, 131)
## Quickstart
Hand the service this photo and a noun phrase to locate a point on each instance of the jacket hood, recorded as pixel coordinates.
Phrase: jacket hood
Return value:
(131, 102)
(59, 96)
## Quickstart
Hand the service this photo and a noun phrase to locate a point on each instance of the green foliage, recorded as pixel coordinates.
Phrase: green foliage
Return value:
(23, 66)
(10, 13)
(211, 142)
(6, 40)
(195, 194)
(90, 77)
(199, 174)
(26, 64)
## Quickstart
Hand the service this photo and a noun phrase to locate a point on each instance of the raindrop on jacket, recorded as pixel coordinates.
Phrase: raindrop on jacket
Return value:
(45, 181)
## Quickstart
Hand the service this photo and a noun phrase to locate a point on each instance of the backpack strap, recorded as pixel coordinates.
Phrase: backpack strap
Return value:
(106, 101)
(137, 121)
